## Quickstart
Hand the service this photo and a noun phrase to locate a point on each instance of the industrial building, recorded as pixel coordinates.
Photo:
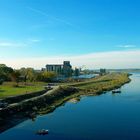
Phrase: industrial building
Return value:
(64, 69)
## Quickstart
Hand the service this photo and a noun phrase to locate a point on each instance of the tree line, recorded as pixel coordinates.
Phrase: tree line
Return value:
(24, 75)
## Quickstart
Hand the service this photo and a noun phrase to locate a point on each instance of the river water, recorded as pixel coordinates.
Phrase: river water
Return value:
(105, 117)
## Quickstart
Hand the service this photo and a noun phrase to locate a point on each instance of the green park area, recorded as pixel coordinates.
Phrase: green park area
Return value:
(22, 81)
(7, 89)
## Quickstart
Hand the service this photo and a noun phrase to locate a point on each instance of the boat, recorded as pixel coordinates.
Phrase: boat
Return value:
(116, 91)
(42, 132)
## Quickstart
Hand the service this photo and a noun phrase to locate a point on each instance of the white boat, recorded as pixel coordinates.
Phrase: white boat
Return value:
(42, 132)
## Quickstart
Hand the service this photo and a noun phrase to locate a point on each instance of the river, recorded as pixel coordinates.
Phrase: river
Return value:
(105, 117)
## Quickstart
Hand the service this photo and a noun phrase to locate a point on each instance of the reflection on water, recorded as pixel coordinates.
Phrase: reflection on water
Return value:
(111, 117)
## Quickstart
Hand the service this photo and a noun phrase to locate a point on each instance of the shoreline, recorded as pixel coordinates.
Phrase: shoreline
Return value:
(48, 102)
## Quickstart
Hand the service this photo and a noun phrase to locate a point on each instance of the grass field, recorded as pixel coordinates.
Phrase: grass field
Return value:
(7, 89)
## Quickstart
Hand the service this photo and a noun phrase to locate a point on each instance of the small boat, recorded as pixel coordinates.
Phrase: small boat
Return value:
(42, 132)
(116, 91)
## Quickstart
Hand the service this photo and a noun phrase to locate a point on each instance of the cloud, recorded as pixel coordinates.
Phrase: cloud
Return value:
(112, 59)
(127, 46)
(5, 44)
(34, 40)
(18, 44)
(49, 16)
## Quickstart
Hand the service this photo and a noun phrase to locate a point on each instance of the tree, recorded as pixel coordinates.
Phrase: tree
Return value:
(48, 76)
(28, 74)
(23, 73)
(5, 72)
(15, 76)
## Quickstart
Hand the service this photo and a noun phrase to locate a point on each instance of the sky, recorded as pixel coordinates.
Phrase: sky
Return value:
(93, 33)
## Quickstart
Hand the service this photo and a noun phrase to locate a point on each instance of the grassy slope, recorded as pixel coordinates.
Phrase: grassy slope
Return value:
(103, 83)
(7, 89)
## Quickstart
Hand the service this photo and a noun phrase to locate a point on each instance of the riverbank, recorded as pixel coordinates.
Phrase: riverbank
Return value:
(48, 101)
(103, 83)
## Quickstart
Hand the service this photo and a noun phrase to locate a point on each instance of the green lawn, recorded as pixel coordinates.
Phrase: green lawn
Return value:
(7, 89)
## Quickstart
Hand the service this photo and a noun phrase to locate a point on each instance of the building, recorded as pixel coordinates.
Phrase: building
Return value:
(76, 72)
(54, 68)
(102, 71)
(64, 69)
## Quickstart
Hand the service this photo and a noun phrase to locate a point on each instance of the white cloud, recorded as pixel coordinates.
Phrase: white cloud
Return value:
(11, 44)
(34, 40)
(127, 46)
(114, 59)
(16, 44)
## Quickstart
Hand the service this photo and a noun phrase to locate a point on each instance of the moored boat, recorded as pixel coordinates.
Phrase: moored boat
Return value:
(42, 132)
(116, 91)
